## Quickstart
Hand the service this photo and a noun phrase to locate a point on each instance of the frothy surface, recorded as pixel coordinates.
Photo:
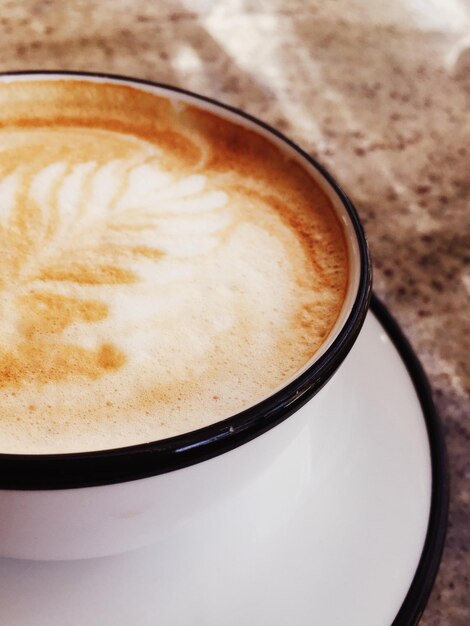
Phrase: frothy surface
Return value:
(161, 268)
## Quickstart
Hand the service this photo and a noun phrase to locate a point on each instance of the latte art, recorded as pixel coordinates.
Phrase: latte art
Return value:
(153, 279)
(70, 228)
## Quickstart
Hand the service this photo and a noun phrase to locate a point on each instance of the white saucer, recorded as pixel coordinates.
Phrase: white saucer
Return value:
(356, 545)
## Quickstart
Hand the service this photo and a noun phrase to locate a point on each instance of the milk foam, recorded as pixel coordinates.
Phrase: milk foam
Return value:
(140, 300)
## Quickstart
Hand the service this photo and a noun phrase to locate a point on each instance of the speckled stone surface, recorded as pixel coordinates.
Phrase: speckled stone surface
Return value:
(380, 93)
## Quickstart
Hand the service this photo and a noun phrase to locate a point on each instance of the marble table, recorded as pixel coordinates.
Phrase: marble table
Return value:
(379, 92)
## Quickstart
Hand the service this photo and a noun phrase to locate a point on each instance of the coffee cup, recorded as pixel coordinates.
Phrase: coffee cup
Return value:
(155, 363)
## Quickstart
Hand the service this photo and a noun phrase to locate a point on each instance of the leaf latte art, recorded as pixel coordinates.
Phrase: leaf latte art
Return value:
(73, 228)
(152, 280)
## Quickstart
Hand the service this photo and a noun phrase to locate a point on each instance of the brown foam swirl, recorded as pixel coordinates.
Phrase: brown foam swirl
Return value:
(160, 270)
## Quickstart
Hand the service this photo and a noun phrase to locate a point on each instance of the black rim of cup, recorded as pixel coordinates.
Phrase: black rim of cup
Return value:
(84, 469)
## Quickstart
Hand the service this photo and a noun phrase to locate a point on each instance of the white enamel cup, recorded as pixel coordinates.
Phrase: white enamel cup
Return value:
(71, 506)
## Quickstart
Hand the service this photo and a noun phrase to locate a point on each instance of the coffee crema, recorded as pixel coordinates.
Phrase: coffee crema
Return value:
(162, 268)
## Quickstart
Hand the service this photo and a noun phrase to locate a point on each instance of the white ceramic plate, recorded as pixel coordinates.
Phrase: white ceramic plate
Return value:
(346, 528)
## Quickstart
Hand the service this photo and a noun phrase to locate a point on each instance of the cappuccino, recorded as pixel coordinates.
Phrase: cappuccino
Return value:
(162, 268)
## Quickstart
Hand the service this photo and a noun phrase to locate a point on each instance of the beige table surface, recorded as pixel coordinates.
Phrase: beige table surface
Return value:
(379, 92)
